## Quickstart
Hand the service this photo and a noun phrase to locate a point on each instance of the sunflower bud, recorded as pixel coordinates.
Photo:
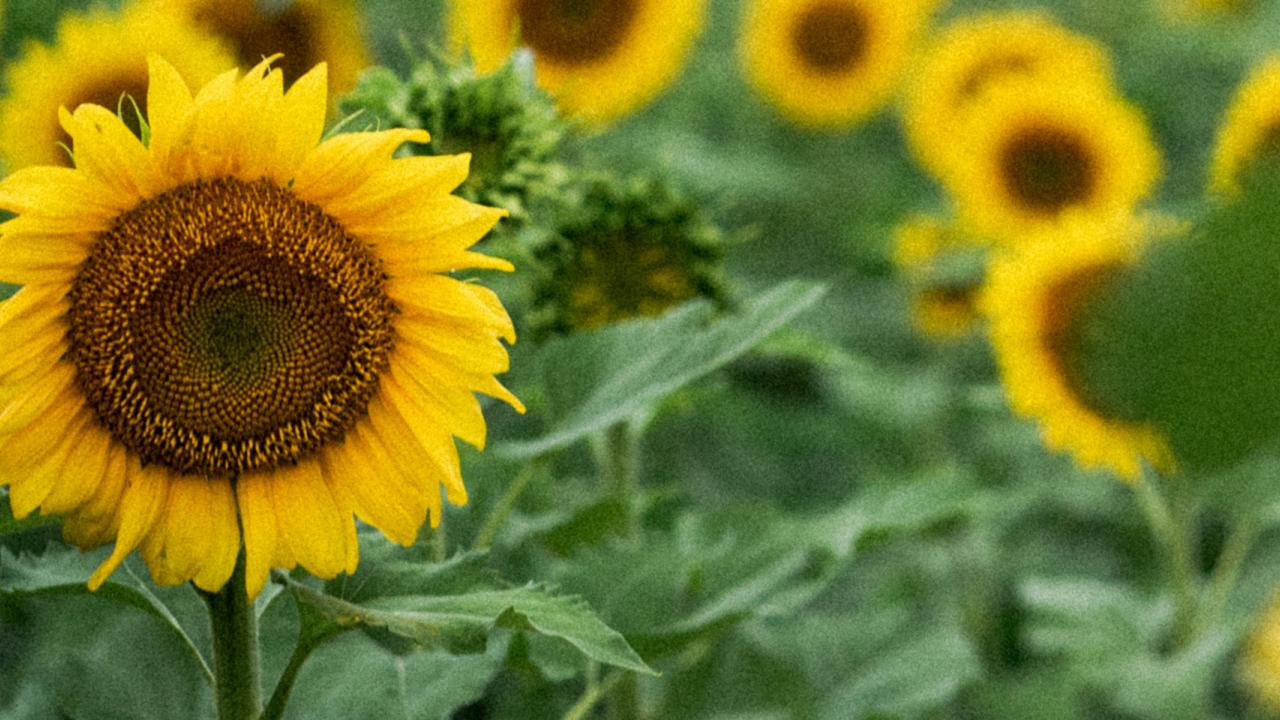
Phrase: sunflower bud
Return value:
(623, 249)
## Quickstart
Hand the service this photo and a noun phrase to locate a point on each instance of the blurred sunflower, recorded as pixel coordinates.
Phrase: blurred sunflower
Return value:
(830, 63)
(240, 320)
(943, 301)
(975, 52)
(625, 249)
(1260, 662)
(1250, 134)
(308, 32)
(1034, 301)
(1036, 150)
(601, 59)
(97, 57)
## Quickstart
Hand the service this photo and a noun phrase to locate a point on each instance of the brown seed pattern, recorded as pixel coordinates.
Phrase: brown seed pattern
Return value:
(227, 326)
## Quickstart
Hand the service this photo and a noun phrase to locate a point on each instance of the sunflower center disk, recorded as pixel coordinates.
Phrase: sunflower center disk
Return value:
(1047, 169)
(255, 33)
(574, 32)
(227, 326)
(830, 37)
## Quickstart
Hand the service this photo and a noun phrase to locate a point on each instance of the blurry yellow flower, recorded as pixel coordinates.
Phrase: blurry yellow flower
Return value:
(830, 63)
(1260, 661)
(96, 57)
(601, 59)
(241, 331)
(1033, 301)
(308, 32)
(975, 52)
(1251, 131)
(943, 306)
(1036, 150)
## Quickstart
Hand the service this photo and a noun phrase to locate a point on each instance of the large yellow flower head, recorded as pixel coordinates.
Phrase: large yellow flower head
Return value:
(1035, 150)
(1034, 300)
(1251, 131)
(97, 57)
(975, 52)
(830, 63)
(237, 319)
(307, 32)
(601, 59)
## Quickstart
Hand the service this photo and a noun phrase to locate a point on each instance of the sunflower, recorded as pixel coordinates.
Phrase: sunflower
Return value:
(308, 32)
(1035, 150)
(98, 57)
(943, 290)
(1034, 300)
(234, 320)
(1260, 661)
(830, 63)
(1251, 132)
(625, 249)
(602, 59)
(975, 52)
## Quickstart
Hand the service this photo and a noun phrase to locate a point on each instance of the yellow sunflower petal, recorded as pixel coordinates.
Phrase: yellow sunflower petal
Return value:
(310, 523)
(96, 522)
(108, 152)
(379, 494)
(342, 162)
(196, 537)
(36, 475)
(258, 523)
(144, 497)
(82, 477)
(169, 108)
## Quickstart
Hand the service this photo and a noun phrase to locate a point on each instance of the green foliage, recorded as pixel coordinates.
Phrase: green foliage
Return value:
(460, 624)
(593, 380)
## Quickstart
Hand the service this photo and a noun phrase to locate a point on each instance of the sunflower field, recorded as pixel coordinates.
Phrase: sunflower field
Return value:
(640, 359)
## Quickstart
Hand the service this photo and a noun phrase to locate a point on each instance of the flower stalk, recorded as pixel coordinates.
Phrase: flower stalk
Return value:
(236, 663)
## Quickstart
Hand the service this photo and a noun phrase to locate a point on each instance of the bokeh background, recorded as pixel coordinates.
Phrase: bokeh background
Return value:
(845, 521)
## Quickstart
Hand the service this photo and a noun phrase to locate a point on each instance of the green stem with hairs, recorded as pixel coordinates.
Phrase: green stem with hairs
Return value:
(507, 503)
(1173, 533)
(236, 665)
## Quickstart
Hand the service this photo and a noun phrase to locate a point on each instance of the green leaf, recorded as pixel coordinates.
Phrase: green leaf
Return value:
(461, 624)
(352, 677)
(908, 680)
(1188, 340)
(598, 378)
(386, 571)
(83, 659)
(9, 525)
(63, 572)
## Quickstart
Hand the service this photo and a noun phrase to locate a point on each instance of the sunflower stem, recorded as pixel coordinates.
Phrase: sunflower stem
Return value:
(1226, 574)
(307, 643)
(236, 666)
(620, 472)
(1173, 532)
(507, 503)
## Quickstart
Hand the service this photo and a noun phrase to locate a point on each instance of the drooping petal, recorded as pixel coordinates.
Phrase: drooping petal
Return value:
(145, 494)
